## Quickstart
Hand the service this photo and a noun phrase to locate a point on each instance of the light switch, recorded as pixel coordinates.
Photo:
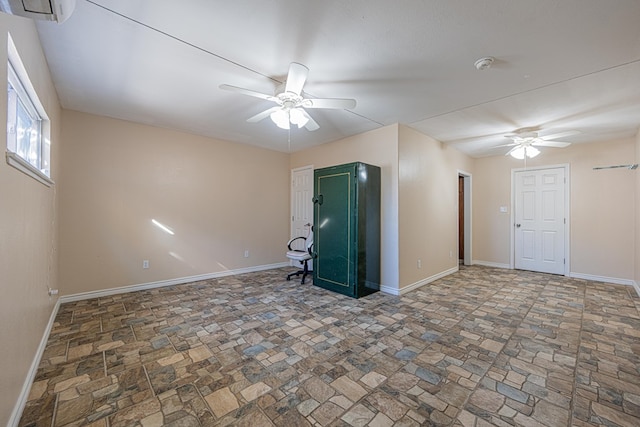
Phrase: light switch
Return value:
(504, 209)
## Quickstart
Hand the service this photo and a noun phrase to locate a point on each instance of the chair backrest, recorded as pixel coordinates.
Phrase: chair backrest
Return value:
(309, 241)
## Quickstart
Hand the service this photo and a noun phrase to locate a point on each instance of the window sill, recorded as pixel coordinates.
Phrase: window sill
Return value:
(25, 167)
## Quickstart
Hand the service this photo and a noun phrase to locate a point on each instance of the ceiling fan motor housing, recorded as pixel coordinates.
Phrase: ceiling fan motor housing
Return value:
(530, 135)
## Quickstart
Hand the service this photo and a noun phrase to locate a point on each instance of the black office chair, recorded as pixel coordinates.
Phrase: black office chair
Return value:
(302, 256)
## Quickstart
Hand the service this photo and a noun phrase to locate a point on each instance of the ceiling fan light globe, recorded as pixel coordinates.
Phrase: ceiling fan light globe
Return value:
(298, 117)
(524, 150)
(281, 119)
(518, 153)
(532, 152)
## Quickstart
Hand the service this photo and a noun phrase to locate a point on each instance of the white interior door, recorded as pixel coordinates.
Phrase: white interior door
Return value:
(540, 224)
(301, 203)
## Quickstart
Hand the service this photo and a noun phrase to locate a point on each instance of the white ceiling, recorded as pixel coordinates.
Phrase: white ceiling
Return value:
(560, 65)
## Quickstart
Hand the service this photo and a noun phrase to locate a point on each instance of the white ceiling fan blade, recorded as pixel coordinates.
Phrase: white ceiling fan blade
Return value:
(296, 78)
(505, 145)
(515, 138)
(263, 115)
(311, 124)
(559, 135)
(248, 92)
(336, 103)
(557, 144)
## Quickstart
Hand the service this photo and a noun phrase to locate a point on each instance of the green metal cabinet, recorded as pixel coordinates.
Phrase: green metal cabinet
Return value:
(346, 218)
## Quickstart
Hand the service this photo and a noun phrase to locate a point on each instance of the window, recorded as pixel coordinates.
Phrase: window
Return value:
(28, 146)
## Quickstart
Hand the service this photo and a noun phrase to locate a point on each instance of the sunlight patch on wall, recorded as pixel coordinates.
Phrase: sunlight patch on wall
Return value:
(162, 227)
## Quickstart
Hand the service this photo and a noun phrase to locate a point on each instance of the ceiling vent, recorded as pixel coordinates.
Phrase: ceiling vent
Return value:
(44, 10)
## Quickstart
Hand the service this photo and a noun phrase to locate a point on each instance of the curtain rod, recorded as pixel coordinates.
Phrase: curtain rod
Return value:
(630, 167)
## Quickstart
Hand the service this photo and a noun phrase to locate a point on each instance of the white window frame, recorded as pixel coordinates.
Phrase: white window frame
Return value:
(25, 94)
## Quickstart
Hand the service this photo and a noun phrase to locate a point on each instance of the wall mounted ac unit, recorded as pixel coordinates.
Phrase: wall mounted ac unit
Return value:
(47, 10)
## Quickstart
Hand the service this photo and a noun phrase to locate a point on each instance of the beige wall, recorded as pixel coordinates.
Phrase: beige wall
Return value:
(219, 198)
(491, 190)
(428, 209)
(602, 207)
(28, 223)
(380, 148)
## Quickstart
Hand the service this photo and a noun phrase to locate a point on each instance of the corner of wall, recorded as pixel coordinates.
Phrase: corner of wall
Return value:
(637, 215)
(428, 206)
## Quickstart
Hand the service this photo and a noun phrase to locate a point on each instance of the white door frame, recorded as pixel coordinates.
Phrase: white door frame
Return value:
(467, 217)
(567, 206)
(291, 204)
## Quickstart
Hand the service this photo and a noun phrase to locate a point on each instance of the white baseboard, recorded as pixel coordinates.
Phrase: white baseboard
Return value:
(605, 279)
(389, 290)
(490, 264)
(170, 282)
(409, 288)
(14, 419)
(617, 281)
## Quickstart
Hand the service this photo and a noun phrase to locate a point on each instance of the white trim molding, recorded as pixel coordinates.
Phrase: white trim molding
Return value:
(492, 264)
(419, 283)
(590, 277)
(605, 279)
(468, 216)
(389, 290)
(14, 419)
(25, 167)
(169, 282)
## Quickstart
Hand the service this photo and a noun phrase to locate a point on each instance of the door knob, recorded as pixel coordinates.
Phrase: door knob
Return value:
(518, 225)
(318, 199)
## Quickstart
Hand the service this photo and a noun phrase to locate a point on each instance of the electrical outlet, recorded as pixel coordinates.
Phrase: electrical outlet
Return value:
(246, 254)
(145, 263)
(419, 263)
(450, 254)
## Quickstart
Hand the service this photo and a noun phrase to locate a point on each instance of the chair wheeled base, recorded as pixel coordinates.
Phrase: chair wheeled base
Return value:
(305, 272)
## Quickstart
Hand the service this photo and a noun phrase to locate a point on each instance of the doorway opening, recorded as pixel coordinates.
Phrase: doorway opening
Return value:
(464, 218)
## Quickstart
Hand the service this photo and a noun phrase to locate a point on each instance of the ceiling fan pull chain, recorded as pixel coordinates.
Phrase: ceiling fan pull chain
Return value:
(289, 133)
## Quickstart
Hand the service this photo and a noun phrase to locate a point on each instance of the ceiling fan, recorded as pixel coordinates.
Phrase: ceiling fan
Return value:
(526, 140)
(291, 104)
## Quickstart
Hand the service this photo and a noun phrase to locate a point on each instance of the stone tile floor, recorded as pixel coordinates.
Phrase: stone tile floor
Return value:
(480, 347)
